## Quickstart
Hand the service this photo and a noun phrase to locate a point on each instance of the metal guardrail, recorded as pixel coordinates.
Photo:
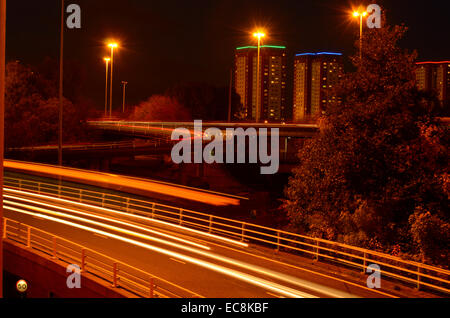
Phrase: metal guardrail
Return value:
(119, 274)
(413, 273)
(144, 128)
(98, 146)
(166, 128)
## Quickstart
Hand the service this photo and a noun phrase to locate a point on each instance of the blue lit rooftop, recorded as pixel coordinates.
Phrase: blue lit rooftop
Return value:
(319, 53)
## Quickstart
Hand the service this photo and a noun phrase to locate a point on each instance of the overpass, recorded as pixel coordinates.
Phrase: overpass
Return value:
(154, 138)
(291, 135)
(145, 129)
(142, 241)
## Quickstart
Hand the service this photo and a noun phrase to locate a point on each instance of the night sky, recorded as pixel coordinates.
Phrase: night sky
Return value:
(177, 41)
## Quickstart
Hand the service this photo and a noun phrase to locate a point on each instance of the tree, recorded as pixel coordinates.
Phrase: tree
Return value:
(31, 109)
(204, 101)
(377, 174)
(160, 108)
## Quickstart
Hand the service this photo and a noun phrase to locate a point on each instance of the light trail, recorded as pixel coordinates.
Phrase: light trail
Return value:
(104, 225)
(108, 219)
(274, 287)
(89, 206)
(186, 193)
(303, 269)
(282, 277)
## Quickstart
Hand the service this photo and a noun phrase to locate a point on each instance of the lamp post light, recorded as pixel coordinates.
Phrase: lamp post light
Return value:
(107, 60)
(361, 15)
(124, 88)
(258, 35)
(112, 46)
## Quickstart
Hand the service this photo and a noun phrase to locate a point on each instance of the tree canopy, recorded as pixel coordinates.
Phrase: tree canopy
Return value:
(31, 109)
(160, 108)
(377, 174)
(186, 102)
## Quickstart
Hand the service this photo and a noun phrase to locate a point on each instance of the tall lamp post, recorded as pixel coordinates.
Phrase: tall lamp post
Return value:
(112, 46)
(361, 15)
(230, 95)
(2, 130)
(258, 35)
(61, 87)
(106, 59)
(123, 102)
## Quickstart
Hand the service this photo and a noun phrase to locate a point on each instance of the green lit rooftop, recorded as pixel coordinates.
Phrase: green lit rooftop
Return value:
(262, 46)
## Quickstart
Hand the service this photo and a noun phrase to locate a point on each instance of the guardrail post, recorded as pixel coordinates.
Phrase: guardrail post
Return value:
(243, 232)
(317, 250)
(29, 237)
(59, 191)
(83, 260)
(128, 205)
(152, 292)
(210, 223)
(18, 230)
(39, 187)
(115, 269)
(54, 248)
(418, 277)
(364, 262)
(103, 200)
(181, 216)
(80, 196)
(153, 210)
(4, 229)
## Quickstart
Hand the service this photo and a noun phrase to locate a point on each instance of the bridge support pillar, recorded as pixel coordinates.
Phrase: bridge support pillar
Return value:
(105, 165)
(200, 170)
(286, 140)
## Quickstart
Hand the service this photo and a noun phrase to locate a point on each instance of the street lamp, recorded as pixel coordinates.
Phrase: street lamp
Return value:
(107, 60)
(61, 87)
(2, 130)
(357, 14)
(112, 46)
(124, 87)
(258, 35)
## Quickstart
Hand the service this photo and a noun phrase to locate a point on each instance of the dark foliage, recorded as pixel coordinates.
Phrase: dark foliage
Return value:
(160, 108)
(31, 110)
(377, 175)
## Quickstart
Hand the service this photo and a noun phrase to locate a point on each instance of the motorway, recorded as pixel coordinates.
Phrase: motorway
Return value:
(209, 265)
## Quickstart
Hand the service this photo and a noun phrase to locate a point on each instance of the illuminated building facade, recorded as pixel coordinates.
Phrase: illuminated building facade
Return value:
(434, 76)
(315, 75)
(273, 81)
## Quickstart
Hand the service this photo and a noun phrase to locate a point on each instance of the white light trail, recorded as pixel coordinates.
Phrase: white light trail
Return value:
(104, 225)
(89, 206)
(331, 292)
(274, 287)
(108, 219)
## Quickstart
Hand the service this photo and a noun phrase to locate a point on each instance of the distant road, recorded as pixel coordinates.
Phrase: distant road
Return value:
(138, 128)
